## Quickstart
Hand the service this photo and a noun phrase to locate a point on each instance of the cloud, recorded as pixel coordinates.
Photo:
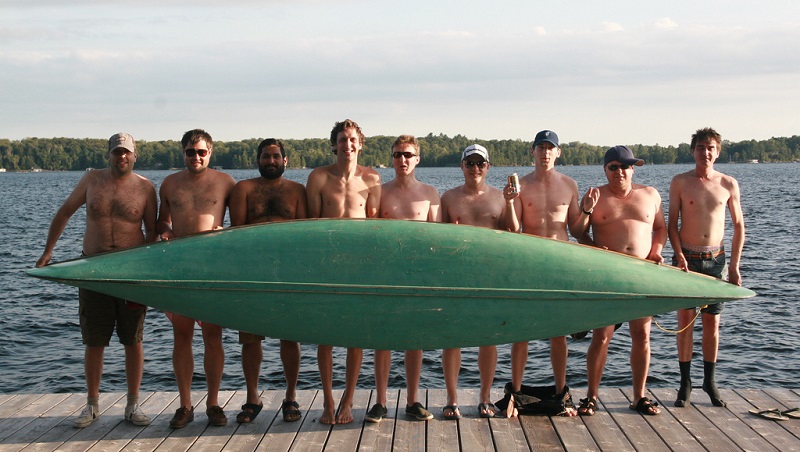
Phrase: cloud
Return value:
(665, 23)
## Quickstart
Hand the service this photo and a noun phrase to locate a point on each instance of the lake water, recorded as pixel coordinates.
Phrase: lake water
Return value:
(42, 351)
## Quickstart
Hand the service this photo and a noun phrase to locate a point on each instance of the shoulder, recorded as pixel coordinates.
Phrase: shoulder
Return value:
(369, 174)
(295, 186)
(222, 177)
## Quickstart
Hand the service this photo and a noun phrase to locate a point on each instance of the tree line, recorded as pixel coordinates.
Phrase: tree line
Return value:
(78, 154)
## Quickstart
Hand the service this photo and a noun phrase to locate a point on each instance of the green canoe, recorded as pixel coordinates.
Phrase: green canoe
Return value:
(387, 284)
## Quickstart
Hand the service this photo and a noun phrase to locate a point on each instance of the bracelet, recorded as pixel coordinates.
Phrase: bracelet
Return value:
(586, 212)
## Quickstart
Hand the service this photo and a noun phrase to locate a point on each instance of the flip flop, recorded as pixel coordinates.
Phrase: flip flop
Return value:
(793, 413)
(455, 413)
(487, 410)
(772, 415)
(249, 413)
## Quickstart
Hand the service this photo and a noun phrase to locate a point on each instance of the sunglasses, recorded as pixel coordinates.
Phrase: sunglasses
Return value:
(470, 164)
(407, 155)
(191, 152)
(614, 168)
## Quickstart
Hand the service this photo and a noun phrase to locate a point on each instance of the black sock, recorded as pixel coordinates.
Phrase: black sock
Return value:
(710, 384)
(686, 383)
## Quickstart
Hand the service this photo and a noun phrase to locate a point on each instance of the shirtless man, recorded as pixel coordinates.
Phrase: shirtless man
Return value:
(118, 202)
(627, 218)
(404, 198)
(478, 204)
(698, 198)
(546, 205)
(343, 189)
(194, 200)
(270, 197)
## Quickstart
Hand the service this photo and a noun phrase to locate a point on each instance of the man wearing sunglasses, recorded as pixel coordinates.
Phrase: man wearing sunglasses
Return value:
(627, 218)
(698, 199)
(478, 204)
(546, 206)
(343, 189)
(270, 197)
(118, 203)
(404, 198)
(194, 200)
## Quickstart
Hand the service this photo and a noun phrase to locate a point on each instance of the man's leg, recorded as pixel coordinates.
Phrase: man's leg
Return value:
(640, 355)
(290, 358)
(519, 358)
(710, 348)
(487, 364)
(595, 363)
(325, 363)
(213, 362)
(183, 357)
(685, 341)
(558, 359)
(413, 364)
(352, 369)
(383, 363)
(252, 356)
(451, 365)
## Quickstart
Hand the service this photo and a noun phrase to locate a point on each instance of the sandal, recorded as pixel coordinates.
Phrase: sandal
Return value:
(588, 406)
(451, 412)
(291, 411)
(646, 406)
(249, 413)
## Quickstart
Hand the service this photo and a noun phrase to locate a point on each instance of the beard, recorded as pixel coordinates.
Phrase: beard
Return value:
(271, 172)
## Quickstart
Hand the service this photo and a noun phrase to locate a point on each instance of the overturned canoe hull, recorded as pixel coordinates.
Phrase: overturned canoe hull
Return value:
(386, 284)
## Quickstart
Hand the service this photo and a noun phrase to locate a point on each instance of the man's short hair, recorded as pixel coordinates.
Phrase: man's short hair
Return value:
(704, 134)
(341, 126)
(406, 139)
(195, 135)
(270, 142)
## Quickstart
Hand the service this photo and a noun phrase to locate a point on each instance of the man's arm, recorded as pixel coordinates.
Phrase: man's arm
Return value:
(675, 191)
(301, 209)
(659, 232)
(150, 211)
(435, 211)
(737, 242)
(580, 226)
(71, 205)
(164, 222)
(374, 196)
(238, 204)
(314, 184)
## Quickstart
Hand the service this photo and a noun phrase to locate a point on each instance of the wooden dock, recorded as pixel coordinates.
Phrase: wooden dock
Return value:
(43, 422)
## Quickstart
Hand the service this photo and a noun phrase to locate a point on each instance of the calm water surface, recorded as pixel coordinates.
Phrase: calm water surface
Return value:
(42, 351)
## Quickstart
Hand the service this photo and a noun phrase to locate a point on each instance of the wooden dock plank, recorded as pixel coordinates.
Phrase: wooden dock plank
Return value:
(281, 435)
(17, 413)
(314, 433)
(507, 434)
(409, 433)
(442, 434)
(53, 409)
(670, 429)
(603, 426)
(781, 434)
(378, 437)
(44, 422)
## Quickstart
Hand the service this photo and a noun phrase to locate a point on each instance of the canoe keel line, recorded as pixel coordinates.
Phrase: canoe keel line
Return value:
(387, 284)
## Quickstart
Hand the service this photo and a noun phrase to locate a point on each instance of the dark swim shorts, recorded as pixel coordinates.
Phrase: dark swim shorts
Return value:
(101, 313)
(711, 264)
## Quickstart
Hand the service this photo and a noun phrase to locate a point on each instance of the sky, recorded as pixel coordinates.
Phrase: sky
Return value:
(598, 72)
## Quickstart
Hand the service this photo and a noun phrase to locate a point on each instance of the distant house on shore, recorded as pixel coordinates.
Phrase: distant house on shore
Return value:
(2, 170)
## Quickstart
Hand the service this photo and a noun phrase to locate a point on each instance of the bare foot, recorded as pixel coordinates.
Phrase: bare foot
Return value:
(345, 416)
(328, 416)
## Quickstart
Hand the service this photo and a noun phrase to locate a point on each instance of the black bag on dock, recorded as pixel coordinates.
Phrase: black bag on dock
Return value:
(536, 400)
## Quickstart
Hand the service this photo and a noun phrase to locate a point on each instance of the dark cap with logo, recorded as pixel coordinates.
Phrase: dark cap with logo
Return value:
(546, 135)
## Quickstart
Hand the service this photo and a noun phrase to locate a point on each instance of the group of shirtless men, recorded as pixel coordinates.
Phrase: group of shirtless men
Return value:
(121, 211)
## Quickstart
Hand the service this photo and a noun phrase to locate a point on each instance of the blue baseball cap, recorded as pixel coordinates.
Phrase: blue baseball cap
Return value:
(621, 154)
(546, 135)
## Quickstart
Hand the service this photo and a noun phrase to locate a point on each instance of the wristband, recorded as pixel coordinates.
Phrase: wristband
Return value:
(586, 212)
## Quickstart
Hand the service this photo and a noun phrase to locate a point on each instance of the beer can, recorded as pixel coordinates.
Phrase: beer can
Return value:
(513, 180)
